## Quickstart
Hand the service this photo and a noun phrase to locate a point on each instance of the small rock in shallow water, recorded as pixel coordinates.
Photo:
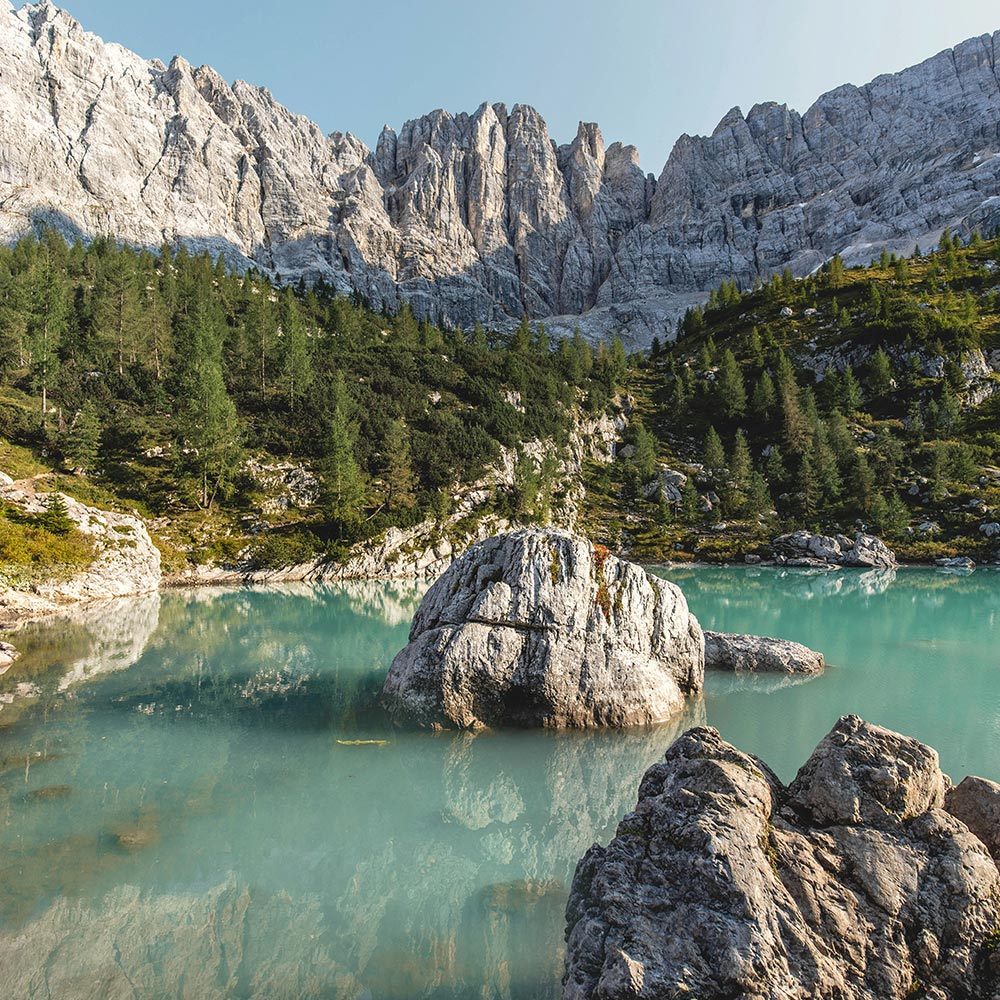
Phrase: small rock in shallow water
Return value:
(49, 793)
(757, 653)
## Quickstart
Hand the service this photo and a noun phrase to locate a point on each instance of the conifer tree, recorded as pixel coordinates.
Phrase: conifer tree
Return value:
(764, 399)
(344, 483)
(715, 456)
(46, 324)
(206, 419)
(398, 476)
(296, 364)
(83, 438)
(879, 374)
(836, 271)
(758, 497)
(732, 392)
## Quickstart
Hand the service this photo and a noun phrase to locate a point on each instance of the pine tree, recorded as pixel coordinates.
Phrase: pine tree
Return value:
(527, 485)
(825, 464)
(836, 271)
(808, 488)
(689, 501)
(897, 516)
(116, 308)
(46, 324)
(758, 497)
(296, 364)
(398, 476)
(645, 450)
(732, 392)
(740, 460)
(764, 399)
(879, 374)
(344, 487)
(862, 482)
(715, 457)
(83, 438)
(850, 391)
(796, 423)
(774, 468)
(206, 419)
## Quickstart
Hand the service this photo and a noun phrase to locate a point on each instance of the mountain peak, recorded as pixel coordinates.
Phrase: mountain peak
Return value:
(480, 217)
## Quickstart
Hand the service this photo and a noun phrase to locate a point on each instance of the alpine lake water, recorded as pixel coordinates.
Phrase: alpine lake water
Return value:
(199, 796)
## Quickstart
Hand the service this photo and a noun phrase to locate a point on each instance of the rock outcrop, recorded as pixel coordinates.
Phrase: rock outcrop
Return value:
(802, 548)
(540, 628)
(127, 561)
(8, 654)
(482, 216)
(751, 654)
(853, 882)
(976, 802)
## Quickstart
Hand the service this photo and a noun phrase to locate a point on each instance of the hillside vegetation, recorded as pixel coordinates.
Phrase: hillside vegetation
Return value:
(202, 398)
(255, 425)
(854, 397)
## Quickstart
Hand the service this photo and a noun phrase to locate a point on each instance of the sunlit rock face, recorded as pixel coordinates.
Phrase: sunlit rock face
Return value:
(540, 628)
(855, 881)
(483, 216)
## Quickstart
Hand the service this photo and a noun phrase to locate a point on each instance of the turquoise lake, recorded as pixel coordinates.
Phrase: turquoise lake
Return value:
(186, 809)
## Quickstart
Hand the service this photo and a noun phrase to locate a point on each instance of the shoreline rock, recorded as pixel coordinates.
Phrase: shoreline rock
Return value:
(803, 548)
(751, 654)
(541, 628)
(127, 561)
(854, 881)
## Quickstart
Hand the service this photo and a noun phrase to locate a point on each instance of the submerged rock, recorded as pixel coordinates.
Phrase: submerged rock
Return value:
(756, 654)
(852, 883)
(540, 628)
(802, 548)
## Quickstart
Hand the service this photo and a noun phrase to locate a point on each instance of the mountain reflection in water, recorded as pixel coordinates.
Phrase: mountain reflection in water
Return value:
(179, 818)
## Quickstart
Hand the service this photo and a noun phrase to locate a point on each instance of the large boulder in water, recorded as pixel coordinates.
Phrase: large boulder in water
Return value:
(852, 883)
(541, 628)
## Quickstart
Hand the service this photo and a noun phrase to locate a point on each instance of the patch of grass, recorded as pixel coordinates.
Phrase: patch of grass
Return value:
(40, 547)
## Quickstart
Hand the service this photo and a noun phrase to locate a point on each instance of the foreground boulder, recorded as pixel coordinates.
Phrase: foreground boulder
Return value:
(751, 654)
(540, 628)
(802, 548)
(852, 883)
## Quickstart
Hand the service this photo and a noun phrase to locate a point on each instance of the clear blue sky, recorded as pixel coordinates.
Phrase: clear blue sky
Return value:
(645, 70)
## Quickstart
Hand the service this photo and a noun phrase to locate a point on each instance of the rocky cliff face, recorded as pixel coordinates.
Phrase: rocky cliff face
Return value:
(482, 216)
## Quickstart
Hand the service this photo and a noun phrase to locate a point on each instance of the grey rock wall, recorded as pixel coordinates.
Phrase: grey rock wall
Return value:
(483, 216)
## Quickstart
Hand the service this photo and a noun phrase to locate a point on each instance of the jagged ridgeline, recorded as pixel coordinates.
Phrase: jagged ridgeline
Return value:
(865, 394)
(485, 216)
(176, 384)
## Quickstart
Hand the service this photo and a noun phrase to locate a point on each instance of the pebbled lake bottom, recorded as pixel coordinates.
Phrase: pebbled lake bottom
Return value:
(200, 798)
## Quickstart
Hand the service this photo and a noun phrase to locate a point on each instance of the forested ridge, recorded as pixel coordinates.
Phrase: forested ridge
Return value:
(855, 397)
(165, 383)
